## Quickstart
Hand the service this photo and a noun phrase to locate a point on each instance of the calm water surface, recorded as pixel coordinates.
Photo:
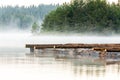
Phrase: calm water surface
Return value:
(15, 65)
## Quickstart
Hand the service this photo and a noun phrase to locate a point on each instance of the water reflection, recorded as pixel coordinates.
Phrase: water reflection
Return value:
(50, 68)
(15, 65)
(59, 68)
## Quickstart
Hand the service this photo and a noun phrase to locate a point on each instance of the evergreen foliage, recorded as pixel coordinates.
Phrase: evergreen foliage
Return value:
(84, 16)
(35, 27)
(23, 17)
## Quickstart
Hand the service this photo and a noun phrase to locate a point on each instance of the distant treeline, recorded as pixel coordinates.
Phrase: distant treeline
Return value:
(84, 16)
(23, 17)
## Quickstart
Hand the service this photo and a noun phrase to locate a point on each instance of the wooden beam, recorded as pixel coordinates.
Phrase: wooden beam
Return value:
(108, 49)
(97, 47)
(72, 45)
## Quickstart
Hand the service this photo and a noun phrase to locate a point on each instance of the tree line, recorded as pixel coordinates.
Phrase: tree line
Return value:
(23, 17)
(82, 16)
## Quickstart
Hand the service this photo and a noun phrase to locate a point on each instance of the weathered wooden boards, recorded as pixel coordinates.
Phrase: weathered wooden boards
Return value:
(107, 49)
(97, 47)
(101, 48)
(72, 45)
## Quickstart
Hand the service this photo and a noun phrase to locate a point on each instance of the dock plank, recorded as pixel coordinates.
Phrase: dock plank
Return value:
(72, 45)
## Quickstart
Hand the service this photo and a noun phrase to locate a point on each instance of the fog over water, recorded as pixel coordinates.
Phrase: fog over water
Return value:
(16, 40)
(21, 67)
(19, 39)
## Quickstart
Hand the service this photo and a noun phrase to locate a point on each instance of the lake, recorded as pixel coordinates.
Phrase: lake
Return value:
(15, 65)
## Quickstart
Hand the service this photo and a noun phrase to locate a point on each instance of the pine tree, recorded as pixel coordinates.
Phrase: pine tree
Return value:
(35, 28)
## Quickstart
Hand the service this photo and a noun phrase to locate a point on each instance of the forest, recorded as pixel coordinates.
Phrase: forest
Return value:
(79, 16)
(23, 17)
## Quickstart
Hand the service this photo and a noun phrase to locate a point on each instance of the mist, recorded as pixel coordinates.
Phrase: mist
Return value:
(29, 68)
(13, 39)
(20, 38)
(22, 25)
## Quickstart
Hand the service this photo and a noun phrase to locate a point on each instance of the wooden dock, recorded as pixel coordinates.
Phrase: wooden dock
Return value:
(101, 48)
(97, 47)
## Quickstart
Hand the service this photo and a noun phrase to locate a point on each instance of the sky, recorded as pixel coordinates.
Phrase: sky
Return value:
(30, 2)
(35, 2)
(110, 1)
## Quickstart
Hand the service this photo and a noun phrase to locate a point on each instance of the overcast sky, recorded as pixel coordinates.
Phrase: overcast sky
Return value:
(35, 2)
(30, 2)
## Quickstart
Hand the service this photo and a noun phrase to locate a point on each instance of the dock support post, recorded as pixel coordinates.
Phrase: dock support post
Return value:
(103, 54)
(43, 51)
(31, 49)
